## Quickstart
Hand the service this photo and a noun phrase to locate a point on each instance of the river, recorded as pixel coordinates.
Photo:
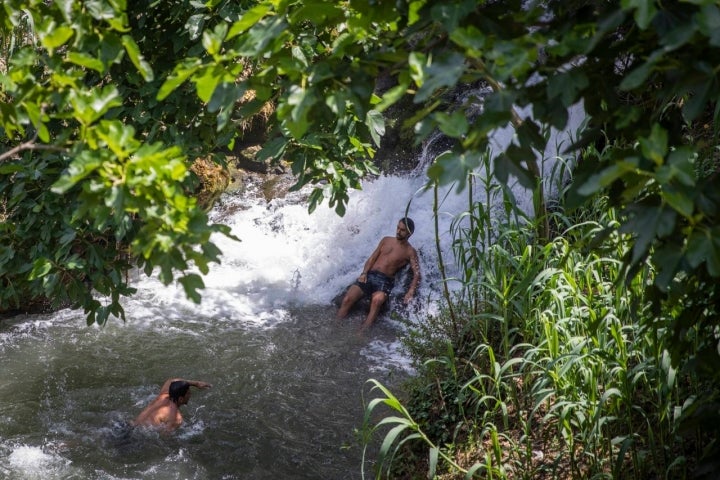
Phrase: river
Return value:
(289, 381)
(288, 378)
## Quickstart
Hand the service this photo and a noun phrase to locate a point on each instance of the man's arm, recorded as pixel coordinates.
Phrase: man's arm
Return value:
(371, 261)
(415, 267)
(198, 384)
(193, 383)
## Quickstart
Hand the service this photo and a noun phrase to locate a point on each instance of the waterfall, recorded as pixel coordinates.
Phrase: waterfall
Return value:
(288, 257)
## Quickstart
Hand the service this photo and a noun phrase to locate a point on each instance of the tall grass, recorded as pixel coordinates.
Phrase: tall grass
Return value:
(545, 370)
(12, 39)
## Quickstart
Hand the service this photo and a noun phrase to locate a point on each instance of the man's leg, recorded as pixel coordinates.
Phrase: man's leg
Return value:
(376, 302)
(353, 294)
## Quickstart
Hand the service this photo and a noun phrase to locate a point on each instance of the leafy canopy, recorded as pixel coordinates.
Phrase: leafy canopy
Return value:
(92, 181)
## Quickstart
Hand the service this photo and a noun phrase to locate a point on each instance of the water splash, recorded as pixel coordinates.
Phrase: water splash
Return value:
(27, 462)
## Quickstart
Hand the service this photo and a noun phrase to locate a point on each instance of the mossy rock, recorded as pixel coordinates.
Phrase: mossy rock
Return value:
(212, 180)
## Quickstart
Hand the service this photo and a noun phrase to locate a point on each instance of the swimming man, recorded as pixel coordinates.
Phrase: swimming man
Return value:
(378, 276)
(164, 410)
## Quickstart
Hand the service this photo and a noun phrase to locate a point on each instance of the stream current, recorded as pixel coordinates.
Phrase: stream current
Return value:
(289, 380)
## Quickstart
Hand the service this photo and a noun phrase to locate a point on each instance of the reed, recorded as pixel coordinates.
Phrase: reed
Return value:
(547, 369)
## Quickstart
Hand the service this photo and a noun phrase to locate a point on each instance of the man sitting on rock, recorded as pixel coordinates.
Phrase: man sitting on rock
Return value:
(378, 276)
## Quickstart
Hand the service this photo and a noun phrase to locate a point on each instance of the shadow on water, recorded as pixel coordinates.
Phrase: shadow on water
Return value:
(285, 403)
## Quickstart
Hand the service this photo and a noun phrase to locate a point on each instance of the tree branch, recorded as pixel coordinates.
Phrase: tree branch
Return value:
(29, 145)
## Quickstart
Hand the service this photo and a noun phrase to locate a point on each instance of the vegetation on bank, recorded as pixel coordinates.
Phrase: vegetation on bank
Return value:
(544, 364)
(105, 104)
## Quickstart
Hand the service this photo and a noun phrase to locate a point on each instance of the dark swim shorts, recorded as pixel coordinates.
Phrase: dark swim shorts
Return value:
(376, 282)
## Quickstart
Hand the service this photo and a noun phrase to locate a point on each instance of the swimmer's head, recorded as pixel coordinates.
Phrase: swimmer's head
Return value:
(179, 390)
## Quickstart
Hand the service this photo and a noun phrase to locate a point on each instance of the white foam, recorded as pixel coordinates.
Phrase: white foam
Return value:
(387, 357)
(31, 462)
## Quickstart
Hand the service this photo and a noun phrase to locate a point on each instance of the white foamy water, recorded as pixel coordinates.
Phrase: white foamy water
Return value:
(288, 256)
(26, 462)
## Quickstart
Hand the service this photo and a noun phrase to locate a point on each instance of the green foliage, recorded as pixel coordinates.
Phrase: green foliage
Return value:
(550, 355)
(88, 186)
(402, 429)
(645, 77)
(312, 74)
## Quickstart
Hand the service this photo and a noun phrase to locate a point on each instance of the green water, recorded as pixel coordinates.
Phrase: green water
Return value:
(287, 395)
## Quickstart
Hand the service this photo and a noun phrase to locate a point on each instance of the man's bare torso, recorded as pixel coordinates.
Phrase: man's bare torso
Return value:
(393, 255)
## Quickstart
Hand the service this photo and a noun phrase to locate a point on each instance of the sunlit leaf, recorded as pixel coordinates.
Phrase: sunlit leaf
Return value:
(248, 19)
(376, 123)
(56, 37)
(392, 96)
(212, 39)
(206, 80)
(87, 61)
(194, 25)
(181, 72)
(41, 267)
(136, 57)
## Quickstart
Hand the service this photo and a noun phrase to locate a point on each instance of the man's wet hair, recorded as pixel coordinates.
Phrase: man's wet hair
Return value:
(409, 224)
(178, 389)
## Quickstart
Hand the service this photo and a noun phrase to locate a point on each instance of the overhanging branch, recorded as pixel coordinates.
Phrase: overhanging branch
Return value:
(29, 145)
